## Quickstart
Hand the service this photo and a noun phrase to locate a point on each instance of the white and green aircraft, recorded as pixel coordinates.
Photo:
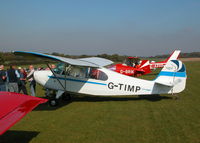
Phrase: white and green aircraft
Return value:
(89, 76)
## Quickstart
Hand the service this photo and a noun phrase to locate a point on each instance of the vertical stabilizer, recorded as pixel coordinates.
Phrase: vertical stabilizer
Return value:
(173, 75)
(174, 55)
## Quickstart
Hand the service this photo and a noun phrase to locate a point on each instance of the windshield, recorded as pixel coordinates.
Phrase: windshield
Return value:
(130, 61)
(59, 68)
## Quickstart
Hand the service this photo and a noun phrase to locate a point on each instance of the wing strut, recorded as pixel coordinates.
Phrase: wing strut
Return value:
(65, 76)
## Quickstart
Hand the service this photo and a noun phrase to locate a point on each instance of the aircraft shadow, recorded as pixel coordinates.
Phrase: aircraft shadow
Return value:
(151, 98)
(150, 74)
(47, 107)
(87, 98)
(12, 136)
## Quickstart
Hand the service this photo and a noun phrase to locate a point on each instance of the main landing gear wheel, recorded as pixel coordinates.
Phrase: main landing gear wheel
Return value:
(53, 102)
(66, 97)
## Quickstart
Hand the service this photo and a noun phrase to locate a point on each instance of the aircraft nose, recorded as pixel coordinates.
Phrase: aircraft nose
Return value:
(41, 77)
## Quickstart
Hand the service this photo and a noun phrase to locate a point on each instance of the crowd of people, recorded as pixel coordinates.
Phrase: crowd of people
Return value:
(15, 79)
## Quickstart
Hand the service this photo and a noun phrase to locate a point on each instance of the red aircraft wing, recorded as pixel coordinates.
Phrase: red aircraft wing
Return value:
(14, 106)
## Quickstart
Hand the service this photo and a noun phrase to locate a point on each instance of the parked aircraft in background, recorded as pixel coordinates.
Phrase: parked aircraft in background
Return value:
(89, 76)
(133, 66)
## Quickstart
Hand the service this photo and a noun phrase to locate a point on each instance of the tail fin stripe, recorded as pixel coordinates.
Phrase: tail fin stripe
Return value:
(176, 62)
(176, 74)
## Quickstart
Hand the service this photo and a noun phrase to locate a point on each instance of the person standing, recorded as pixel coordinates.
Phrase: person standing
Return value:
(13, 79)
(31, 79)
(22, 81)
(2, 78)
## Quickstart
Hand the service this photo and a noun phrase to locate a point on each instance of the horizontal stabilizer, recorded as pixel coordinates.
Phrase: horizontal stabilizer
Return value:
(164, 83)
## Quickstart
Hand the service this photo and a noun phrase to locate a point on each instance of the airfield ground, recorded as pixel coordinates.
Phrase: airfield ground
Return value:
(88, 119)
(189, 59)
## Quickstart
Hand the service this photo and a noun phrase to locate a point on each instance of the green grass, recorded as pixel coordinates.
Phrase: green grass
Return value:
(89, 119)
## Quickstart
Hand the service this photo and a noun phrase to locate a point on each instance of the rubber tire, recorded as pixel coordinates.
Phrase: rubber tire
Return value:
(53, 102)
(66, 97)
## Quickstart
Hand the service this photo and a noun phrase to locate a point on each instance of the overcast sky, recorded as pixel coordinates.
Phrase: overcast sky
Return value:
(126, 27)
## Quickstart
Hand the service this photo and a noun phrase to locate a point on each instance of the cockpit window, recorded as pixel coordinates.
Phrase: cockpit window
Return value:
(76, 71)
(80, 71)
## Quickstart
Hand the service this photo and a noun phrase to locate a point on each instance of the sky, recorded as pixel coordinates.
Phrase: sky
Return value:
(91, 27)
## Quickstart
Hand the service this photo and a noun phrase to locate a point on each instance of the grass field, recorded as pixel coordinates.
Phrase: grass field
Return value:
(89, 119)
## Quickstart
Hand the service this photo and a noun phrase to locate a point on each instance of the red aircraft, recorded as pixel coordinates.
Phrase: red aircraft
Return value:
(14, 106)
(173, 56)
(131, 67)
(134, 67)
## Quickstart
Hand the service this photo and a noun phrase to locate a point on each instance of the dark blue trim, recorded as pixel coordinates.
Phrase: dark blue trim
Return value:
(182, 68)
(176, 62)
(176, 74)
(77, 80)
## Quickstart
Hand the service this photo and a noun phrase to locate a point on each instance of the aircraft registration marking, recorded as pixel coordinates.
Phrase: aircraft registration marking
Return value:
(124, 87)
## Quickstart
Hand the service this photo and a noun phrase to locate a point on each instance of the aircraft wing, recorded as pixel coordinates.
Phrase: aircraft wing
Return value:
(90, 62)
(14, 106)
(99, 61)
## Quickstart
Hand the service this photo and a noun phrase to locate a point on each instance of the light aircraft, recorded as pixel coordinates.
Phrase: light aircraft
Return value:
(133, 66)
(173, 56)
(14, 106)
(89, 76)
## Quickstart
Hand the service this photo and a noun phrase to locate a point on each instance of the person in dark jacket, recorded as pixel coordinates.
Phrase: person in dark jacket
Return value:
(2, 78)
(13, 79)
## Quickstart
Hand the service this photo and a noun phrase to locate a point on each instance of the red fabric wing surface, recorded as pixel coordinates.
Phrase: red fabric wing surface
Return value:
(14, 106)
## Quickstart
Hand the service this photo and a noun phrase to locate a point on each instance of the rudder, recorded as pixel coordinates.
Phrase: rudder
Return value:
(173, 75)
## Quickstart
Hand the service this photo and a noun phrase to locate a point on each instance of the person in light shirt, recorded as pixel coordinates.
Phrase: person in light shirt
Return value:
(31, 79)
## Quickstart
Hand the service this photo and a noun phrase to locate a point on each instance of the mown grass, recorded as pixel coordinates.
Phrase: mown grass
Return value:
(89, 119)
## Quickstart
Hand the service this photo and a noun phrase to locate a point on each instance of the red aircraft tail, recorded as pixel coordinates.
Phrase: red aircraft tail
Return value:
(145, 66)
(173, 56)
(14, 106)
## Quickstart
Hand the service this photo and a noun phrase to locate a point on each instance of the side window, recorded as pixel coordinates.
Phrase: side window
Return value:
(66, 70)
(80, 71)
(94, 73)
(77, 71)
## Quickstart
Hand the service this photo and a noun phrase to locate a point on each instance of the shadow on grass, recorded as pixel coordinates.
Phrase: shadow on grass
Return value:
(151, 74)
(152, 98)
(85, 98)
(47, 107)
(17, 136)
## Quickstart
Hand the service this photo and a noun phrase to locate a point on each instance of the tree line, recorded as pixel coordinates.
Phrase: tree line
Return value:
(9, 58)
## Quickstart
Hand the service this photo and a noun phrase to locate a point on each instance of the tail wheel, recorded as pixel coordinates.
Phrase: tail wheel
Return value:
(66, 97)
